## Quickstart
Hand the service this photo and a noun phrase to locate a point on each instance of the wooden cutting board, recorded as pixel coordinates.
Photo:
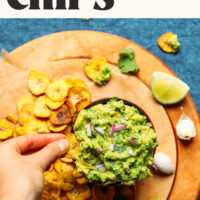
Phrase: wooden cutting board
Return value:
(64, 54)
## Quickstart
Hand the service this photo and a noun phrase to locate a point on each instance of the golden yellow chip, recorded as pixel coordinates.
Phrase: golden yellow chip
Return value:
(57, 91)
(25, 100)
(76, 82)
(12, 118)
(81, 180)
(80, 192)
(63, 196)
(77, 94)
(82, 104)
(6, 130)
(54, 105)
(74, 146)
(93, 67)
(40, 108)
(36, 126)
(76, 173)
(62, 167)
(68, 129)
(67, 160)
(71, 106)
(38, 82)
(66, 181)
(61, 116)
(50, 176)
(168, 42)
(26, 114)
(56, 128)
(19, 131)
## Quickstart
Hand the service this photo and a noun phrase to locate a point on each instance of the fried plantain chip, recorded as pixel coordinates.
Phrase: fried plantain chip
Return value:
(25, 100)
(93, 67)
(6, 130)
(71, 106)
(74, 146)
(61, 116)
(62, 167)
(82, 104)
(40, 108)
(67, 160)
(66, 181)
(26, 114)
(55, 128)
(76, 82)
(54, 105)
(38, 82)
(81, 180)
(12, 118)
(57, 91)
(36, 126)
(77, 94)
(19, 130)
(168, 42)
(80, 192)
(76, 173)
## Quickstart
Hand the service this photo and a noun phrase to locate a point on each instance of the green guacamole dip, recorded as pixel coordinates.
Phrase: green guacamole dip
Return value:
(120, 156)
(104, 76)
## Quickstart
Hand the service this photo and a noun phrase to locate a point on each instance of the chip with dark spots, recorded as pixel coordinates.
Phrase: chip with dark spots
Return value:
(61, 116)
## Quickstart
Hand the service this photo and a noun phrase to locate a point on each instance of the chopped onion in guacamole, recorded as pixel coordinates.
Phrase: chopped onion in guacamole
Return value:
(117, 160)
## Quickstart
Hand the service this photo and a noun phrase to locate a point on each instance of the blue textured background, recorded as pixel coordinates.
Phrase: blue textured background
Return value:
(145, 32)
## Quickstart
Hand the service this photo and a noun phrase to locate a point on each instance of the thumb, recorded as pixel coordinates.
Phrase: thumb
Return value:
(48, 154)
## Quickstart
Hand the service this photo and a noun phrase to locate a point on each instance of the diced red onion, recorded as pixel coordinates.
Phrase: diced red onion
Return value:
(99, 130)
(100, 167)
(89, 129)
(132, 142)
(112, 132)
(134, 137)
(120, 128)
(130, 151)
(123, 120)
(98, 152)
(112, 147)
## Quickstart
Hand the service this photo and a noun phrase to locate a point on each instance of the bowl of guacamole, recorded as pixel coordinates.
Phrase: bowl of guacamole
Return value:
(117, 143)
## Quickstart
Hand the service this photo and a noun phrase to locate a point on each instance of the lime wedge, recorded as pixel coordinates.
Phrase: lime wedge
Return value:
(167, 89)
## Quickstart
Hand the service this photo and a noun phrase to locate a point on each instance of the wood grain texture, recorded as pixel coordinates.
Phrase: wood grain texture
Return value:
(62, 53)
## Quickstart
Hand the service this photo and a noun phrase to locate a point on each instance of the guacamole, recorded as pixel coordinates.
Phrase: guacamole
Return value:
(103, 76)
(116, 143)
(174, 43)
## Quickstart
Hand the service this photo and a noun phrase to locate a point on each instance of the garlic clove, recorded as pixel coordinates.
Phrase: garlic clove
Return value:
(185, 128)
(163, 163)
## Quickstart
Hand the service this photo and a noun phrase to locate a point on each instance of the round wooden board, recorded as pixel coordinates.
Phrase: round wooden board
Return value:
(63, 54)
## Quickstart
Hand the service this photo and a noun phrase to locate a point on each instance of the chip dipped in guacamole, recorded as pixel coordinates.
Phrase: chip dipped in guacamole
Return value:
(117, 143)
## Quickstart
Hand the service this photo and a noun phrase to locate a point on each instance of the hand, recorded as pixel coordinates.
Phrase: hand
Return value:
(22, 164)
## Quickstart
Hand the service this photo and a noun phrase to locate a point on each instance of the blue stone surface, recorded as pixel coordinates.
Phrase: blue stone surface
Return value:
(145, 32)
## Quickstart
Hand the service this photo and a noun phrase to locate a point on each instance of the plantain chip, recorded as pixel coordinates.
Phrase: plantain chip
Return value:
(62, 167)
(82, 104)
(25, 100)
(54, 105)
(71, 106)
(36, 126)
(56, 128)
(76, 173)
(67, 160)
(93, 67)
(26, 114)
(6, 130)
(168, 42)
(19, 130)
(66, 181)
(81, 180)
(80, 192)
(57, 91)
(40, 108)
(61, 116)
(12, 118)
(76, 82)
(74, 146)
(77, 94)
(38, 82)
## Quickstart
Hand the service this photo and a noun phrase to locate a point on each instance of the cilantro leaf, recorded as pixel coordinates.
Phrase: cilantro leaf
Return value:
(127, 61)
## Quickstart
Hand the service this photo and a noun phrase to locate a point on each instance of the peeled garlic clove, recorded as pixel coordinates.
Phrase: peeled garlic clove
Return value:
(185, 128)
(163, 163)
